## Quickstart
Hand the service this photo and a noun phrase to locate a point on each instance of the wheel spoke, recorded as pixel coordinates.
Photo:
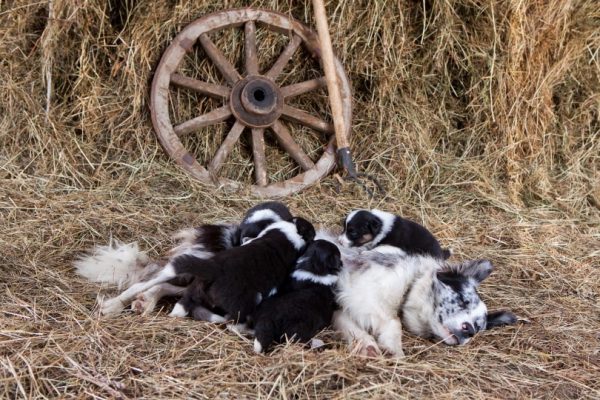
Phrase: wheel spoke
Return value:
(289, 145)
(217, 115)
(251, 57)
(225, 149)
(229, 72)
(303, 87)
(206, 88)
(304, 118)
(258, 152)
(284, 57)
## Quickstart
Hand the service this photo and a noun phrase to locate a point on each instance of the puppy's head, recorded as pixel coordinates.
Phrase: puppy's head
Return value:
(305, 229)
(360, 228)
(260, 217)
(459, 312)
(321, 258)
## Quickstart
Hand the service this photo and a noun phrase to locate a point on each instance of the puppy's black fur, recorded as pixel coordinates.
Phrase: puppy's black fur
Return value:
(302, 307)
(236, 279)
(413, 238)
(251, 227)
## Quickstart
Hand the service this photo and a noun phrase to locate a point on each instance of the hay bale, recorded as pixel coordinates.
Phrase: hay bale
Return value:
(480, 117)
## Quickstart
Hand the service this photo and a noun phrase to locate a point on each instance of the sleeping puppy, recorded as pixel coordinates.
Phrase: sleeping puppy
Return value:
(368, 229)
(259, 217)
(304, 305)
(236, 280)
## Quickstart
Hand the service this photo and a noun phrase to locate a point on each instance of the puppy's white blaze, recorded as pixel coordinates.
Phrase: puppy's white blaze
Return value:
(289, 230)
(273, 292)
(178, 311)
(303, 275)
(387, 222)
(257, 346)
(261, 215)
(344, 241)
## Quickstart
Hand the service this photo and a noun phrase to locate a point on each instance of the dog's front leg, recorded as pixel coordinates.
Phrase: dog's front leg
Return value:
(117, 304)
(389, 335)
(363, 343)
(146, 301)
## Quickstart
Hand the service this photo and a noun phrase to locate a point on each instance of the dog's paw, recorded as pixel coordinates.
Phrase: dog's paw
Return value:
(367, 349)
(111, 307)
(316, 343)
(142, 304)
(178, 311)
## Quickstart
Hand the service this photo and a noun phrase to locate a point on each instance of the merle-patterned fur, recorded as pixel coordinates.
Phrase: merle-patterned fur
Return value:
(236, 279)
(364, 228)
(457, 304)
(304, 305)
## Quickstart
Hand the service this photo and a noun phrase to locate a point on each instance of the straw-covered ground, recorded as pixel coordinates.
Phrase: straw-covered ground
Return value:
(480, 117)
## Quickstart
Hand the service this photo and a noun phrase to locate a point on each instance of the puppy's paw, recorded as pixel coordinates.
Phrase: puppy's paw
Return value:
(258, 349)
(178, 311)
(316, 343)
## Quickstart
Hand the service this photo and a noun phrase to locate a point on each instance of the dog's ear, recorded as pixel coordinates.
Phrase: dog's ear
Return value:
(476, 269)
(500, 318)
(304, 229)
(374, 225)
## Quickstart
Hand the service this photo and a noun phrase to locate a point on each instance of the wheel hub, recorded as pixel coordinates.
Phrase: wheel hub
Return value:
(256, 101)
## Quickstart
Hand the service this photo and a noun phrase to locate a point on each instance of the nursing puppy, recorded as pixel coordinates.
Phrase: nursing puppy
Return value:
(127, 266)
(382, 290)
(368, 229)
(236, 280)
(259, 217)
(304, 305)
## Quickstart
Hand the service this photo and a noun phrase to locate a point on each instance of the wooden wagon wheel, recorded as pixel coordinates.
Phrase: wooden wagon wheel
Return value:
(254, 99)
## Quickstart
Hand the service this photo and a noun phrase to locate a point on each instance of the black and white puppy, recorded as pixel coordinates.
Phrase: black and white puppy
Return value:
(369, 229)
(259, 217)
(304, 305)
(126, 265)
(236, 280)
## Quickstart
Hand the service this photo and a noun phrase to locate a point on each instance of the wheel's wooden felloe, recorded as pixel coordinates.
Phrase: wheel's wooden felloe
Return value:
(255, 100)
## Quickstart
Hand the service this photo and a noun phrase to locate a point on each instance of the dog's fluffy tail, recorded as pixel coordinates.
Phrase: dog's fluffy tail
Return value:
(117, 263)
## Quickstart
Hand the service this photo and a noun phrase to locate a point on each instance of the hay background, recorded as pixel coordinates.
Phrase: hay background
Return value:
(480, 117)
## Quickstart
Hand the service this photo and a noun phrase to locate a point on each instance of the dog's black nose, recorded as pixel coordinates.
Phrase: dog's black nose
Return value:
(468, 330)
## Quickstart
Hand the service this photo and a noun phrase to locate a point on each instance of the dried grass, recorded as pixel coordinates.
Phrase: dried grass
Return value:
(480, 117)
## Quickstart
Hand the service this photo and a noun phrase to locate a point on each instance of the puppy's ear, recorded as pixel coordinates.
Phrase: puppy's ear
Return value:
(500, 318)
(476, 269)
(374, 225)
(304, 229)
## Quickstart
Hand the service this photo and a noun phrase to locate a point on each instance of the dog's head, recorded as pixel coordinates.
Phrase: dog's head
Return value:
(360, 228)
(459, 313)
(321, 258)
(260, 217)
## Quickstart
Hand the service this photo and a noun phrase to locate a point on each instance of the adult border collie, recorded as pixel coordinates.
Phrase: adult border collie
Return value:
(368, 229)
(382, 290)
(126, 265)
